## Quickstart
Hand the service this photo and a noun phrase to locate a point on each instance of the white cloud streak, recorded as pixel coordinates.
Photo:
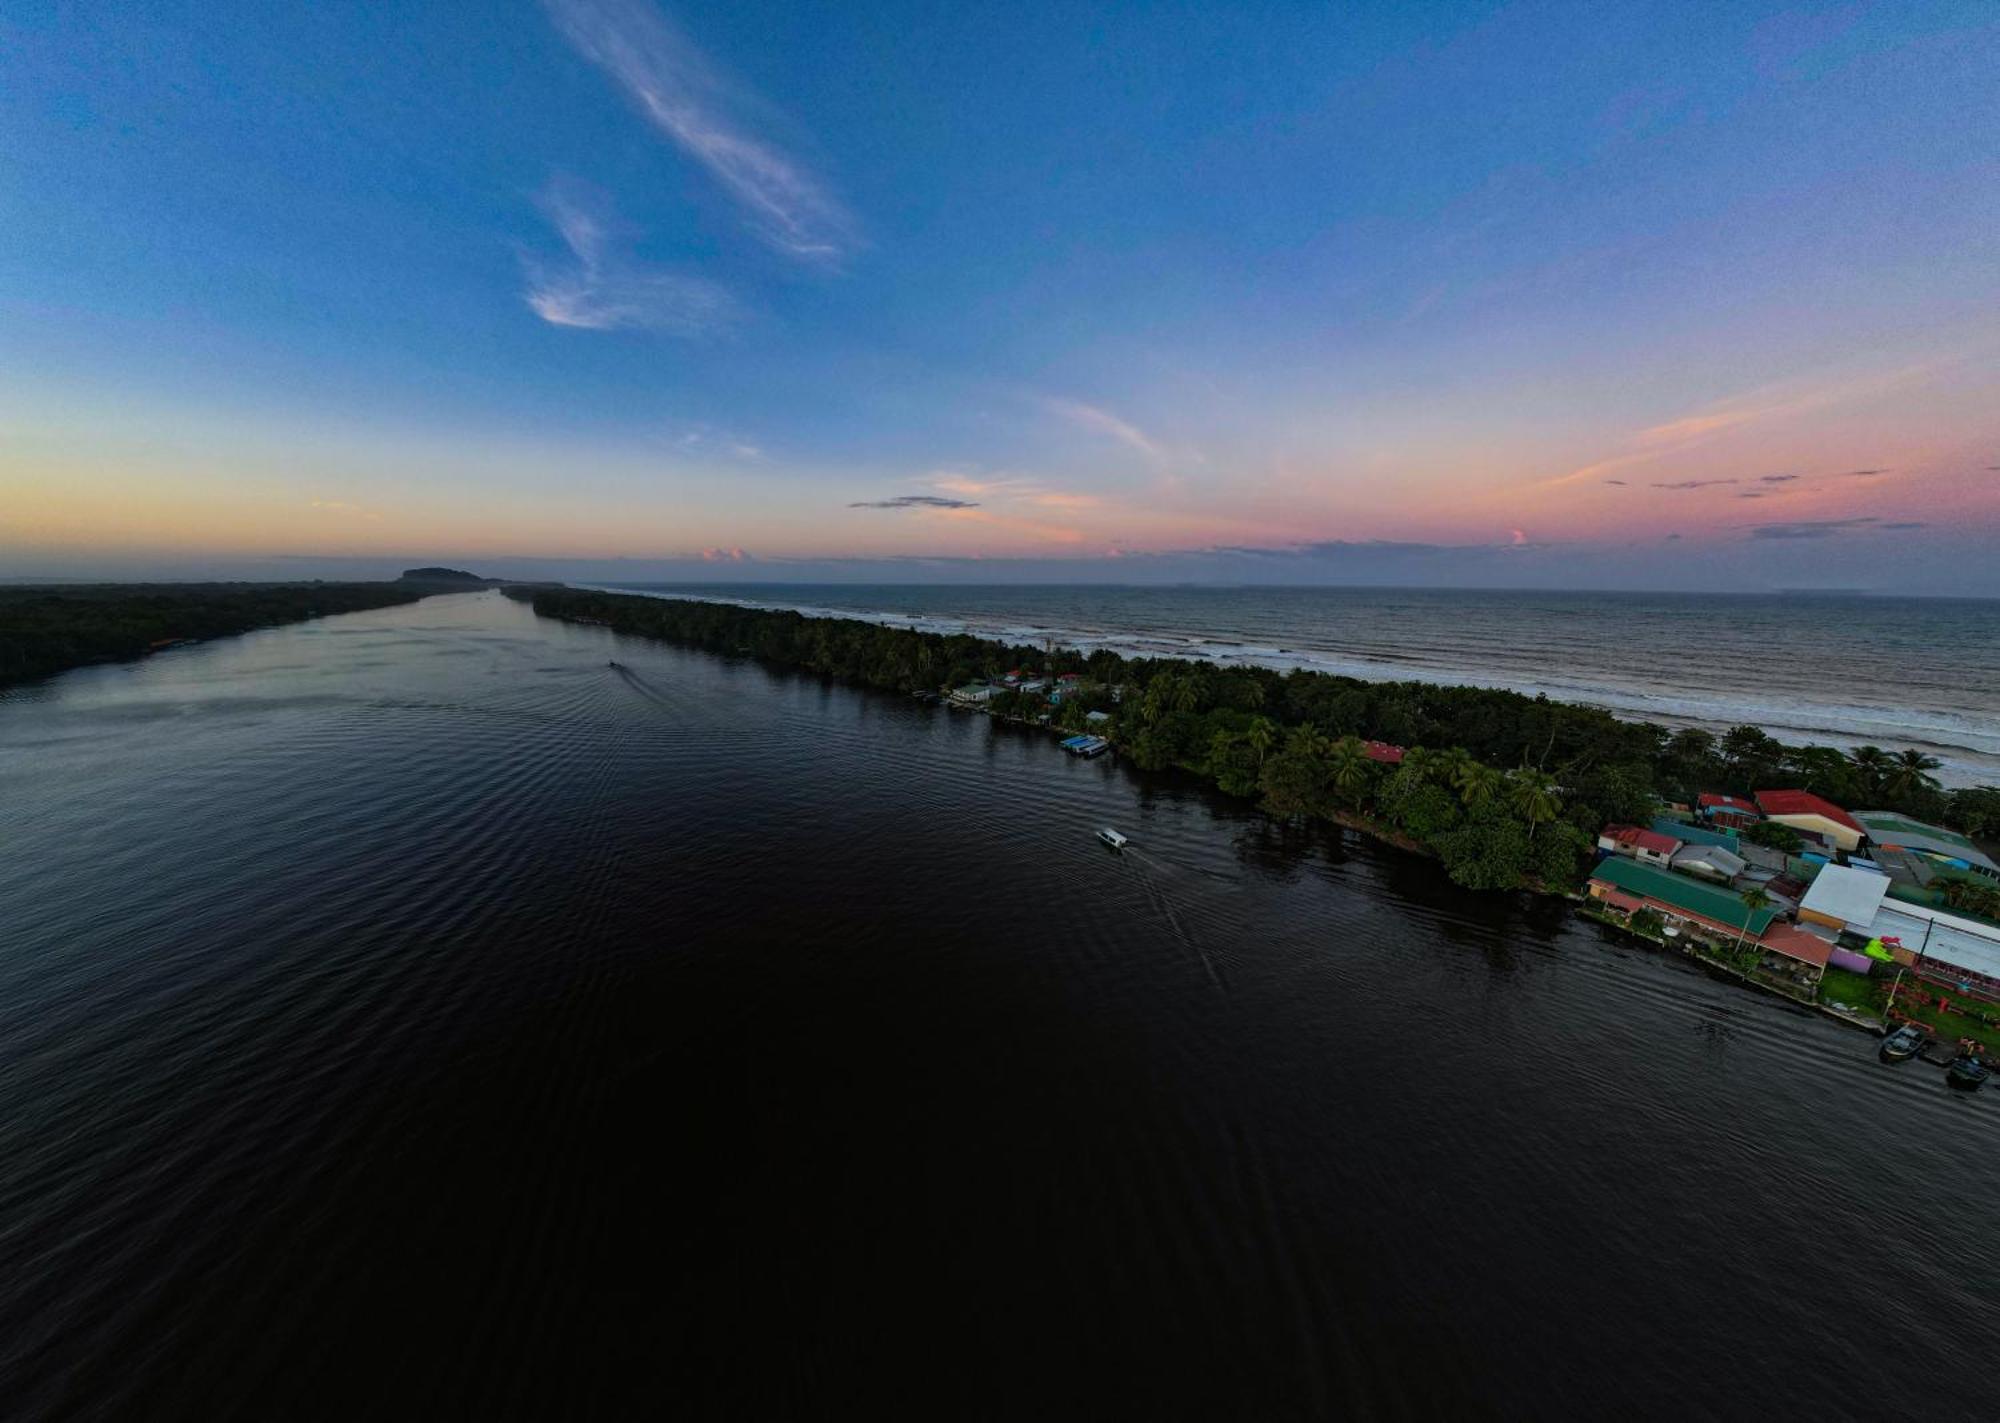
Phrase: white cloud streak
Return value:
(681, 94)
(1103, 422)
(599, 289)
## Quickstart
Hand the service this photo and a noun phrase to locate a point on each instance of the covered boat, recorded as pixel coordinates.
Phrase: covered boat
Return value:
(1966, 1071)
(1903, 1044)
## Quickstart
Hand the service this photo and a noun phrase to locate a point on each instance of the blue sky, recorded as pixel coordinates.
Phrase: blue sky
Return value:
(1508, 293)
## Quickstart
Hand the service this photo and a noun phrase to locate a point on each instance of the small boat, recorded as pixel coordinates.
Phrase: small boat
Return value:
(1903, 1044)
(619, 665)
(1113, 838)
(1966, 1071)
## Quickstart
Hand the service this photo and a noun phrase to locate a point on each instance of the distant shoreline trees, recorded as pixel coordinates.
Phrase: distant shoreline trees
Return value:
(1505, 788)
(50, 629)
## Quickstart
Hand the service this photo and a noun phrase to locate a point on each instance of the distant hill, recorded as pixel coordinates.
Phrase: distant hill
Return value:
(440, 575)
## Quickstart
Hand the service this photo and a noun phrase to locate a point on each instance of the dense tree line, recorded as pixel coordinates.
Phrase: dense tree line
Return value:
(44, 630)
(1507, 789)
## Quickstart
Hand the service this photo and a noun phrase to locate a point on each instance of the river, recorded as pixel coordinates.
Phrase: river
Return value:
(408, 1014)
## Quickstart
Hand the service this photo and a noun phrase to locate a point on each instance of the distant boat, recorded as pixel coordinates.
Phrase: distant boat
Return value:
(1113, 838)
(1903, 1044)
(1966, 1071)
(619, 665)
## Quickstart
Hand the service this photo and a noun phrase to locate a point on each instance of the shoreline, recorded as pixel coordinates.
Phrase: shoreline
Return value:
(1486, 829)
(1965, 766)
(49, 629)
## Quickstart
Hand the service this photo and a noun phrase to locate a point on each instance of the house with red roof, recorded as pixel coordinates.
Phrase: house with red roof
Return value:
(1728, 811)
(1647, 846)
(1382, 751)
(1804, 811)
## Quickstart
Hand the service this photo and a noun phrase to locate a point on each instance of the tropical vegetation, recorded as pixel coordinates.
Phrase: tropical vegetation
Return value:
(46, 629)
(1506, 789)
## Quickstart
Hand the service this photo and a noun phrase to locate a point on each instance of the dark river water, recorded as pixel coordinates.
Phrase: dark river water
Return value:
(407, 1014)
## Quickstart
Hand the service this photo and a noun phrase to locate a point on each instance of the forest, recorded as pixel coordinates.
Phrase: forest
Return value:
(45, 629)
(1506, 789)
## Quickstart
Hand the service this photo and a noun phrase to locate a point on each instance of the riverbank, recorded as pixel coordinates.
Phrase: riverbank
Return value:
(46, 629)
(1292, 743)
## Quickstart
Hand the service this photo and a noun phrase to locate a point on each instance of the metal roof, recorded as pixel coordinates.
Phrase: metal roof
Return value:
(1849, 895)
(1709, 901)
(1776, 803)
(1885, 827)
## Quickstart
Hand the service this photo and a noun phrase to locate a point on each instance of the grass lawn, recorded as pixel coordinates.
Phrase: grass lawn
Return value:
(1948, 1027)
(1862, 992)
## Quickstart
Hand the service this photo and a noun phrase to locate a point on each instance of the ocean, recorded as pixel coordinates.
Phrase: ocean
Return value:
(409, 1014)
(1808, 668)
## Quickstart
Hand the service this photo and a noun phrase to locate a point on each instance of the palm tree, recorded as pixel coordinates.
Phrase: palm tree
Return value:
(1532, 796)
(1422, 763)
(1349, 764)
(1476, 783)
(1261, 735)
(1909, 772)
(1871, 763)
(1753, 899)
(1189, 690)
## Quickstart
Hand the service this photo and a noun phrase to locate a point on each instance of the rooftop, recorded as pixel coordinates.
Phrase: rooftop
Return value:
(1715, 800)
(1711, 902)
(1886, 827)
(1651, 840)
(1806, 803)
(1849, 895)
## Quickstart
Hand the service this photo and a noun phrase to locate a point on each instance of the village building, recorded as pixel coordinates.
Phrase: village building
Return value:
(1808, 813)
(1730, 812)
(1709, 861)
(1647, 846)
(1893, 831)
(1629, 885)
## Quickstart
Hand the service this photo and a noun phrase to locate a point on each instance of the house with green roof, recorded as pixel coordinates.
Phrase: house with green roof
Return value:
(1887, 828)
(1628, 885)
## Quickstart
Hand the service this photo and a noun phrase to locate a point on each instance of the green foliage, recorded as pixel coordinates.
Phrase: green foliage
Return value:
(1488, 851)
(1234, 763)
(1296, 739)
(1417, 806)
(1976, 811)
(1774, 836)
(45, 630)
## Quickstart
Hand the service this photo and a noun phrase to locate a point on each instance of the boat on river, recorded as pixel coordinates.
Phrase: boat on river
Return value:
(1966, 1072)
(1903, 1044)
(1113, 838)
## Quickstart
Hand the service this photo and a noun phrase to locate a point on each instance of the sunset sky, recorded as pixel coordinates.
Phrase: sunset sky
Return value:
(1489, 294)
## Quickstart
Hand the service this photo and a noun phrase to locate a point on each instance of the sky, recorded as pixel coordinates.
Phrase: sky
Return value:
(1480, 294)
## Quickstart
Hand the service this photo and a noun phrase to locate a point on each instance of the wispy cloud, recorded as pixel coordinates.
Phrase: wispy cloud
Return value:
(1786, 399)
(914, 501)
(341, 506)
(1776, 478)
(710, 120)
(598, 288)
(1103, 422)
(1692, 483)
(724, 555)
(1016, 489)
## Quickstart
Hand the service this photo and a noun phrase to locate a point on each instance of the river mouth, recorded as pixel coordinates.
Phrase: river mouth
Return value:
(409, 1013)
